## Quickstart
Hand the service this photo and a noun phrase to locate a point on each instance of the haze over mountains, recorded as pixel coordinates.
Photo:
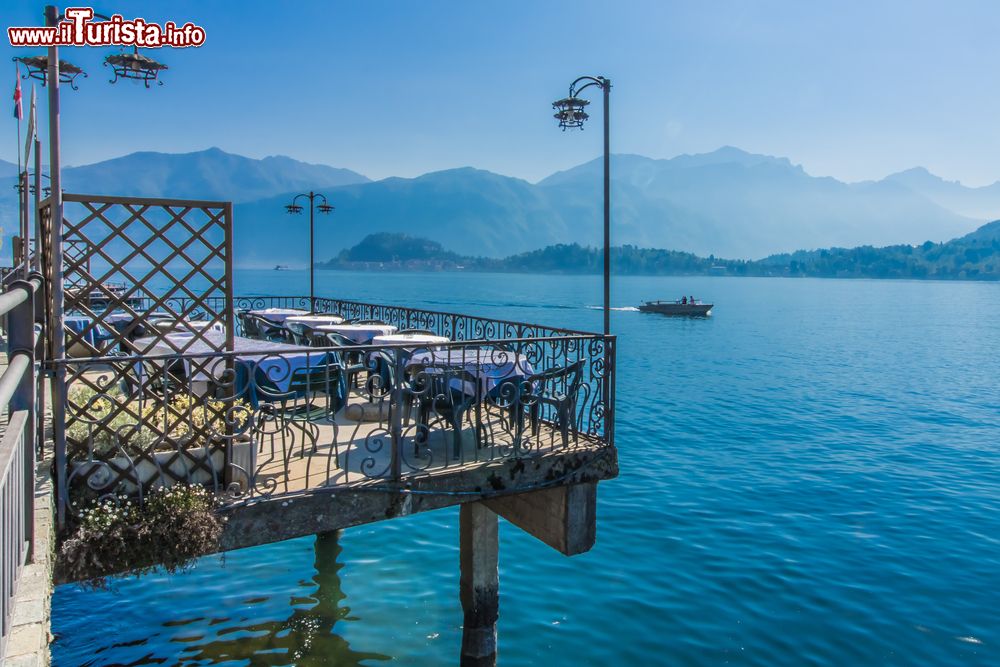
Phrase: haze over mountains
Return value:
(727, 203)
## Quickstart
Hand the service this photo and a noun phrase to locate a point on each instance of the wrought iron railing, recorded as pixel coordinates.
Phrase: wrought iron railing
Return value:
(458, 326)
(261, 424)
(18, 384)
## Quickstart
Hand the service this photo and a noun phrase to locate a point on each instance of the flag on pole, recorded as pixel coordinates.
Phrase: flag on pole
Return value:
(18, 113)
(32, 124)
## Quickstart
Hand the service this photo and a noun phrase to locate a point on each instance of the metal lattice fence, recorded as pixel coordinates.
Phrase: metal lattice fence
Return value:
(129, 267)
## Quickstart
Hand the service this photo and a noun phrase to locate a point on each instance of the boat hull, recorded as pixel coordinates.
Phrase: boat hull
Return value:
(682, 309)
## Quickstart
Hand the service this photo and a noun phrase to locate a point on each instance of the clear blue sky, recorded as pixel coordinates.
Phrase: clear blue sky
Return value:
(853, 90)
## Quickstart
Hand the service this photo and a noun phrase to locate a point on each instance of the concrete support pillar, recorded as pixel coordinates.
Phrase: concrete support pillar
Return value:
(564, 517)
(480, 584)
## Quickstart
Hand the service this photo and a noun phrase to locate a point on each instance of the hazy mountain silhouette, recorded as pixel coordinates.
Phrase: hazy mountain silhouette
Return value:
(737, 204)
(469, 210)
(729, 203)
(983, 202)
(209, 174)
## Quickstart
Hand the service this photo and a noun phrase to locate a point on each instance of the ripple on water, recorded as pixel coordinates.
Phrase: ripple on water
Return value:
(808, 477)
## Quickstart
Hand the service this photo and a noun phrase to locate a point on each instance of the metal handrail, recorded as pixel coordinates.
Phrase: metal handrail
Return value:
(18, 294)
(17, 366)
(17, 452)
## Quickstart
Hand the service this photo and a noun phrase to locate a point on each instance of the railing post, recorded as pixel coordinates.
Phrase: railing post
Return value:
(608, 389)
(40, 355)
(396, 469)
(21, 341)
(59, 440)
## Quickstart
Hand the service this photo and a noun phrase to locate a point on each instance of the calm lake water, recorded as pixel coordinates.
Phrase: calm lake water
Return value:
(810, 476)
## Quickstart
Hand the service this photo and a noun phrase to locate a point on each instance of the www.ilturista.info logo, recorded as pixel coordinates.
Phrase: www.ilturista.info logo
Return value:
(79, 29)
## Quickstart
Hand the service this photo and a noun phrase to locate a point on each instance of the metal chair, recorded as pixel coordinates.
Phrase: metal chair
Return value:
(165, 378)
(450, 392)
(247, 325)
(314, 394)
(558, 389)
(322, 379)
(352, 360)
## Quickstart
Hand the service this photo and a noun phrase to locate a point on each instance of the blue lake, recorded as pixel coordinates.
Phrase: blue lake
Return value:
(810, 476)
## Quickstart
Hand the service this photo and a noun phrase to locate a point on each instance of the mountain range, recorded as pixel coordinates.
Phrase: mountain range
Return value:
(728, 203)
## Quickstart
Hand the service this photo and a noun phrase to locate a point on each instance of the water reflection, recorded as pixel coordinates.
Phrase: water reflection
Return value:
(306, 638)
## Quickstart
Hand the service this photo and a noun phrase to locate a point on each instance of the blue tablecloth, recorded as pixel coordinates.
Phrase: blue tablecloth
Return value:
(489, 365)
(81, 325)
(276, 362)
(278, 315)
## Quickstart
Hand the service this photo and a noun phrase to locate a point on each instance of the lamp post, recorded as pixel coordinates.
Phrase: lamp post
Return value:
(51, 72)
(325, 208)
(570, 114)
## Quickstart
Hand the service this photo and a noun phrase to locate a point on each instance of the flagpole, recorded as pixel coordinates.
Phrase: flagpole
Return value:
(21, 178)
(36, 264)
(17, 114)
(30, 141)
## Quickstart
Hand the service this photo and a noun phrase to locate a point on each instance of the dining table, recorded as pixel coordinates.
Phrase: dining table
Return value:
(278, 315)
(122, 322)
(170, 325)
(314, 320)
(411, 340)
(357, 333)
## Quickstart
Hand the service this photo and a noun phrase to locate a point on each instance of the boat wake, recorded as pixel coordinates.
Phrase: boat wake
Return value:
(626, 309)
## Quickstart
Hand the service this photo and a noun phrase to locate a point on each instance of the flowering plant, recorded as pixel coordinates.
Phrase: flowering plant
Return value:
(171, 528)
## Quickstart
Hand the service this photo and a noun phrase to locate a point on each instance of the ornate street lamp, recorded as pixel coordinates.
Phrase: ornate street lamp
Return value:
(323, 207)
(570, 114)
(135, 66)
(38, 68)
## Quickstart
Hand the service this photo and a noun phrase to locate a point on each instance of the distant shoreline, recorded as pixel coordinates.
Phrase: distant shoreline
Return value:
(973, 257)
(403, 270)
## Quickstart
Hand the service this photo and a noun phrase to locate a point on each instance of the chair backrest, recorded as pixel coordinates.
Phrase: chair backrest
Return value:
(301, 333)
(129, 329)
(448, 384)
(567, 378)
(163, 325)
(349, 358)
(128, 372)
(247, 324)
(268, 330)
(164, 376)
(340, 340)
(324, 377)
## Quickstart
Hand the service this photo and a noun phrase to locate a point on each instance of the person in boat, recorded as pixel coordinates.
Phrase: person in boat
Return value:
(684, 300)
(691, 300)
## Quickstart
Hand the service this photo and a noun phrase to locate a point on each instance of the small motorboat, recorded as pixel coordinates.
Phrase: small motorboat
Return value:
(688, 307)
